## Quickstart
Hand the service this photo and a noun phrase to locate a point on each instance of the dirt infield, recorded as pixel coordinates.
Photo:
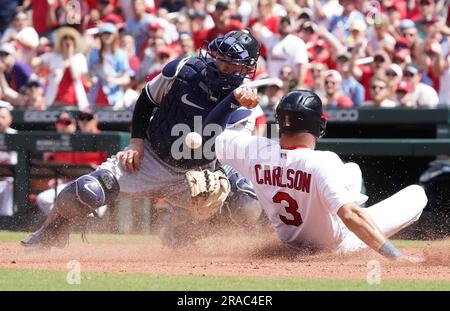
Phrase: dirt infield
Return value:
(236, 255)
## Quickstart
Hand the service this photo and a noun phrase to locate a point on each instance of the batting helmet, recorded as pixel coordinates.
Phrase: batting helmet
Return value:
(301, 111)
(238, 48)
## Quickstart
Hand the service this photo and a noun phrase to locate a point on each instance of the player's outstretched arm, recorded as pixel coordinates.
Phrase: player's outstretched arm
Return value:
(360, 223)
(242, 96)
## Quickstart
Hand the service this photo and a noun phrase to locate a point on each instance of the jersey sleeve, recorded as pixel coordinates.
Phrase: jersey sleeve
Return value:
(235, 148)
(157, 88)
(331, 183)
(160, 85)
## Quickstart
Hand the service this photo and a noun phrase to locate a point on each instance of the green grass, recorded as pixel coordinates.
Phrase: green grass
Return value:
(22, 279)
(6, 236)
(46, 280)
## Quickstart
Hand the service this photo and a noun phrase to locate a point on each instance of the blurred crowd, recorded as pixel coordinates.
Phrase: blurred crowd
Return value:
(89, 54)
(99, 53)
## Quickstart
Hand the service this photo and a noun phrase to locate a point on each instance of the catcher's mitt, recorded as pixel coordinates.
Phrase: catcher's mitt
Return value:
(208, 192)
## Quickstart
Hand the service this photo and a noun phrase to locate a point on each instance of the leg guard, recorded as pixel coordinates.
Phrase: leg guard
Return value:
(73, 204)
(242, 204)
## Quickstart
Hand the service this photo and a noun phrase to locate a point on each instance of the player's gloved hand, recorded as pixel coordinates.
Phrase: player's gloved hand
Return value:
(132, 156)
(247, 97)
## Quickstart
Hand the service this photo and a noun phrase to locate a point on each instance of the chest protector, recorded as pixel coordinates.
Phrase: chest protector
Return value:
(187, 102)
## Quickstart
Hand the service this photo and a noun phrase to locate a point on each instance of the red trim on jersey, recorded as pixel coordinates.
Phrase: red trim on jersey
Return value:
(295, 147)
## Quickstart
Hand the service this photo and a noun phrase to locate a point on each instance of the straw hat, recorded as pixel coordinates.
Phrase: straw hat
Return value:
(71, 32)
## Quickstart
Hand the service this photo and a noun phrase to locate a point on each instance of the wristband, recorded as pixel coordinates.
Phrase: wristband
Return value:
(389, 250)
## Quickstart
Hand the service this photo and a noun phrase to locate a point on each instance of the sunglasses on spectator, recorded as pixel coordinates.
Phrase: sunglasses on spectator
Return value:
(391, 73)
(401, 92)
(379, 59)
(342, 60)
(308, 29)
(379, 87)
(65, 122)
(409, 34)
(3, 54)
(304, 16)
(85, 117)
(425, 2)
(408, 74)
(106, 33)
(397, 60)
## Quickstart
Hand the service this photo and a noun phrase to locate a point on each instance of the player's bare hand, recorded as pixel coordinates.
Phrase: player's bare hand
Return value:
(132, 156)
(248, 98)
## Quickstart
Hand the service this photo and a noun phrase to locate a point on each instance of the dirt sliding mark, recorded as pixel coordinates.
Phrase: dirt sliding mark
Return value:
(232, 255)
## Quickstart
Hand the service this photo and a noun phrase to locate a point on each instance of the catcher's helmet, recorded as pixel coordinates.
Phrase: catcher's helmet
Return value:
(301, 111)
(237, 48)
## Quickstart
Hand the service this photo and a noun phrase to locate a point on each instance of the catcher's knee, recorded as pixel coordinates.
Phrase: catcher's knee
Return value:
(87, 193)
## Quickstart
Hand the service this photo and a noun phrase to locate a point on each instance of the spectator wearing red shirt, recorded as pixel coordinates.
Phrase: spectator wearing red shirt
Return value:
(42, 10)
(67, 68)
(267, 18)
(399, 6)
(223, 23)
(318, 49)
(403, 94)
(105, 13)
(334, 95)
(364, 73)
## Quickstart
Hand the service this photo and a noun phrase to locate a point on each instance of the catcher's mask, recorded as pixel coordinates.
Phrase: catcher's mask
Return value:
(229, 60)
(301, 111)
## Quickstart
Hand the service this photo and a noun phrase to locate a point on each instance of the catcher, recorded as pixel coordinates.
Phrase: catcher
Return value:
(186, 90)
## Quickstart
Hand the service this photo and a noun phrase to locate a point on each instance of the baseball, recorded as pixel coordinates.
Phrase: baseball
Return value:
(193, 140)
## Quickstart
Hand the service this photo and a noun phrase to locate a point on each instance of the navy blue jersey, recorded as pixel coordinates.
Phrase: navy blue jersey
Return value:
(180, 95)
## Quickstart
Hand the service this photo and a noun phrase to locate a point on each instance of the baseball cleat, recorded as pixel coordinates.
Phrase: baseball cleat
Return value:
(56, 234)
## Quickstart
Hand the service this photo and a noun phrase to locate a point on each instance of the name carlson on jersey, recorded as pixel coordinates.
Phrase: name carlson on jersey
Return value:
(273, 176)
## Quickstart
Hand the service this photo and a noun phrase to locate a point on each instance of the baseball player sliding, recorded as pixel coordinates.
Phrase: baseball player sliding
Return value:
(187, 90)
(311, 198)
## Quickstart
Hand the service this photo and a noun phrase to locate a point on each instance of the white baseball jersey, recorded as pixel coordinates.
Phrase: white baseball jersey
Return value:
(300, 190)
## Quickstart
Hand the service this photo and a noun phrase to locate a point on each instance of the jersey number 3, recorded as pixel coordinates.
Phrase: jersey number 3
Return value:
(292, 209)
